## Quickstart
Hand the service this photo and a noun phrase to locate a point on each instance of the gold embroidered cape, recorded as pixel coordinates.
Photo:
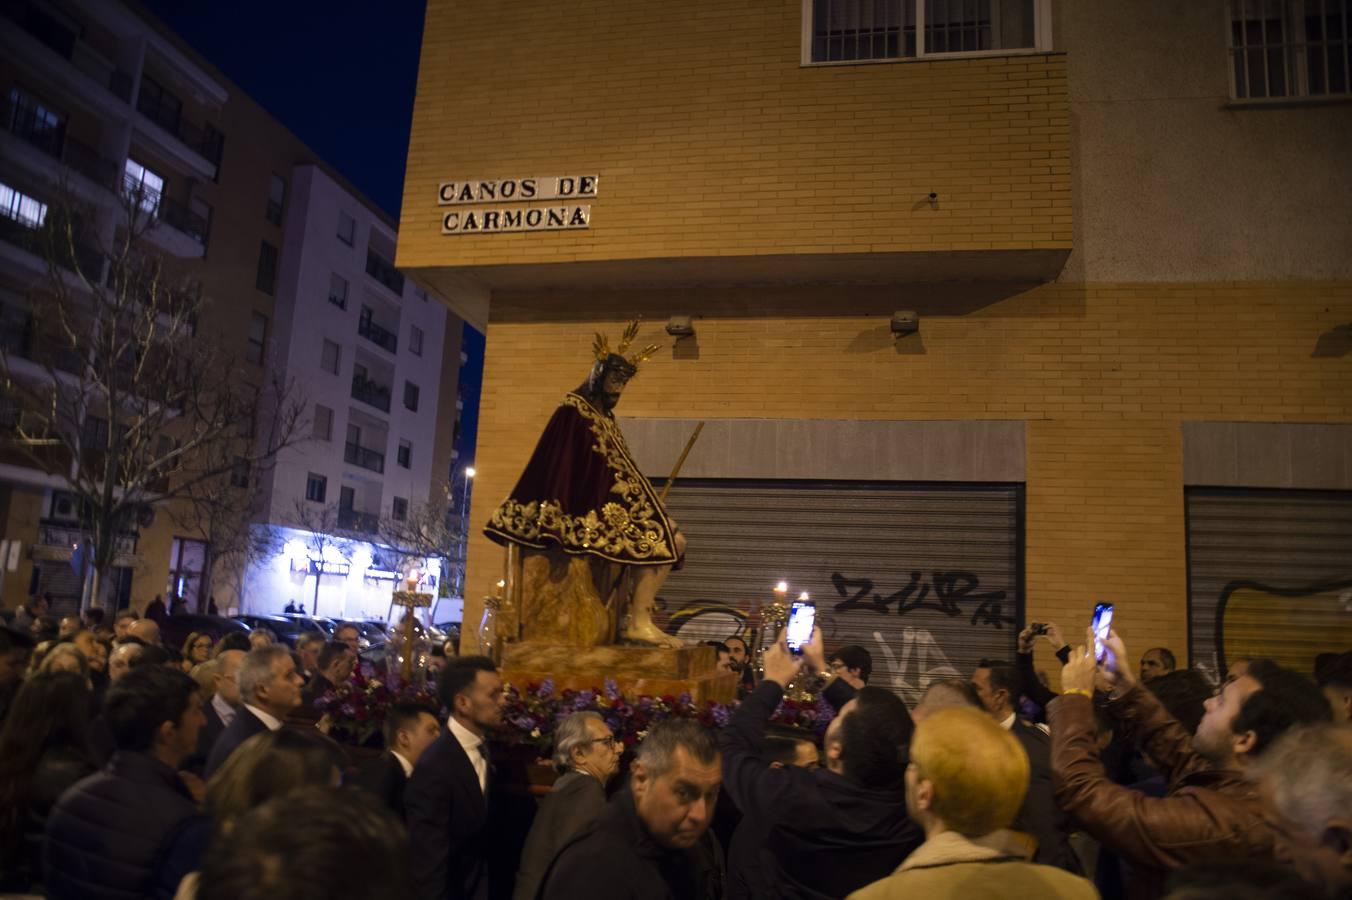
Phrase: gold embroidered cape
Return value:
(582, 493)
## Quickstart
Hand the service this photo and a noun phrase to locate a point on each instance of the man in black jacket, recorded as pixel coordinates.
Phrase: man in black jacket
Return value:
(829, 831)
(270, 687)
(410, 728)
(651, 842)
(997, 685)
(120, 833)
(447, 798)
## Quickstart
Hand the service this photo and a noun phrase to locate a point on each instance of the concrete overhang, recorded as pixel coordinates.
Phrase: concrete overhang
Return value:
(470, 291)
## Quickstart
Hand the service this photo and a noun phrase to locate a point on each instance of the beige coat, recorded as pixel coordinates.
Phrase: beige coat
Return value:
(949, 865)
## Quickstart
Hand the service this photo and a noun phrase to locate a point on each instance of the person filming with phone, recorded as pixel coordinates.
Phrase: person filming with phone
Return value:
(831, 830)
(1211, 810)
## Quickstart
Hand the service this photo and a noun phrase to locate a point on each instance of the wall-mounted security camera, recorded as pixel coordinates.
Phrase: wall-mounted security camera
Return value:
(681, 326)
(905, 322)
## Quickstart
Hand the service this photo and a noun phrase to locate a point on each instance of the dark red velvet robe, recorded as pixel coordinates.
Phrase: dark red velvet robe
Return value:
(583, 494)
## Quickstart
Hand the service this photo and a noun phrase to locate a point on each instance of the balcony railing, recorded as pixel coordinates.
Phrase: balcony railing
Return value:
(382, 270)
(88, 259)
(166, 209)
(371, 393)
(67, 44)
(205, 141)
(381, 337)
(24, 124)
(361, 522)
(364, 457)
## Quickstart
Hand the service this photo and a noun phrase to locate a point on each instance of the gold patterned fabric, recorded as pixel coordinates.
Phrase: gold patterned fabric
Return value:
(582, 493)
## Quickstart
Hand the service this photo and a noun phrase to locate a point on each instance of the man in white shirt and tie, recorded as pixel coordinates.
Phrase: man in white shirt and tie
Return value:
(270, 687)
(447, 798)
(410, 728)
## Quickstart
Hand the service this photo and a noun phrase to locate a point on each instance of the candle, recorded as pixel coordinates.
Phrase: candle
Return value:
(803, 597)
(781, 589)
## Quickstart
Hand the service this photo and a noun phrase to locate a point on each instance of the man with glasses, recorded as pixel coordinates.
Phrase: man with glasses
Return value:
(852, 664)
(586, 756)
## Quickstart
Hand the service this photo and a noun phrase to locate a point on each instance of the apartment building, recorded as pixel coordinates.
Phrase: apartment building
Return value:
(1117, 238)
(99, 99)
(377, 358)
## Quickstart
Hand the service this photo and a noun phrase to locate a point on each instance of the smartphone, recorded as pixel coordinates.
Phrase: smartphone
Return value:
(1103, 621)
(802, 618)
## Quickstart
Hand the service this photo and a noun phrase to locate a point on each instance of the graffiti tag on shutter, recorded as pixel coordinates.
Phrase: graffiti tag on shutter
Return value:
(951, 590)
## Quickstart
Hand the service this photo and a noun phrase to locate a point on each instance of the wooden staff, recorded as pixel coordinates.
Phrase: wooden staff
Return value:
(666, 489)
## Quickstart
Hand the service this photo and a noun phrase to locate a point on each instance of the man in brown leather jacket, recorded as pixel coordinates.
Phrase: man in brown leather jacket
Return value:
(1211, 811)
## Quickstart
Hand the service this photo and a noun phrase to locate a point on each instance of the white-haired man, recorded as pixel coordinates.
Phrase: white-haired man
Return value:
(586, 756)
(1306, 785)
(270, 686)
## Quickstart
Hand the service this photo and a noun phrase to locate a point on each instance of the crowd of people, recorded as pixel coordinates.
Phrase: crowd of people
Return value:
(132, 769)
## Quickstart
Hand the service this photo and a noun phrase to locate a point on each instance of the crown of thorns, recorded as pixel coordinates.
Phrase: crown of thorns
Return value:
(602, 351)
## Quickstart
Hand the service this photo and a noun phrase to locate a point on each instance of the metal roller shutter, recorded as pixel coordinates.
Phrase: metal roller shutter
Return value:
(1269, 575)
(927, 576)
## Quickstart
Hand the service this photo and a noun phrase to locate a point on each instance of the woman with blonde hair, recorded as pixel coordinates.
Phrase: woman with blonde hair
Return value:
(965, 782)
(65, 657)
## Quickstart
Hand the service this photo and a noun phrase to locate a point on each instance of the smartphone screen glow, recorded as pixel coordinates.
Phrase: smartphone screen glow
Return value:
(802, 616)
(1103, 620)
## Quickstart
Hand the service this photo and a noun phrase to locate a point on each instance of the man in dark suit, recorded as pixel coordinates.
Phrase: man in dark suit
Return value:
(221, 710)
(997, 685)
(336, 662)
(410, 728)
(447, 798)
(270, 686)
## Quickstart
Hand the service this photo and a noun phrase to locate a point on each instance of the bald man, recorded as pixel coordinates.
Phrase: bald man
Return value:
(146, 630)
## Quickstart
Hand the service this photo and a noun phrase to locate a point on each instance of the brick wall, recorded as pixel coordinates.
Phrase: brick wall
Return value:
(1102, 374)
(711, 139)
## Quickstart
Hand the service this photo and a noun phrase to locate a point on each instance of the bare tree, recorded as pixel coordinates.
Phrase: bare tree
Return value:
(430, 529)
(226, 513)
(321, 523)
(120, 397)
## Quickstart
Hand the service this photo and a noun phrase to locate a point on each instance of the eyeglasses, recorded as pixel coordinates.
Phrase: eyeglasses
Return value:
(606, 740)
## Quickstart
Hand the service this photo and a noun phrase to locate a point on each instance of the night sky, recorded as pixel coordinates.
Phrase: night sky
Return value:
(341, 75)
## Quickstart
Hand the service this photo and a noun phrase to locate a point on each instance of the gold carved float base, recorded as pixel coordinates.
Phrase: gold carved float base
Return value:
(654, 671)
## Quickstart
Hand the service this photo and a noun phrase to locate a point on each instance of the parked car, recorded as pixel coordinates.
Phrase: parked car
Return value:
(286, 628)
(313, 623)
(372, 632)
(175, 629)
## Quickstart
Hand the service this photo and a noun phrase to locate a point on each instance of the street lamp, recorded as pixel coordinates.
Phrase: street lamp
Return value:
(464, 529)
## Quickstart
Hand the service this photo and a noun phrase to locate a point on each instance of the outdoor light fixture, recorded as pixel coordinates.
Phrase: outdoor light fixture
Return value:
(681, 326)
(905, 322)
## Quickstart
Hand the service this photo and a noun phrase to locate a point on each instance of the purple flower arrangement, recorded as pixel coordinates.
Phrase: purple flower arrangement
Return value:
(532, 714)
